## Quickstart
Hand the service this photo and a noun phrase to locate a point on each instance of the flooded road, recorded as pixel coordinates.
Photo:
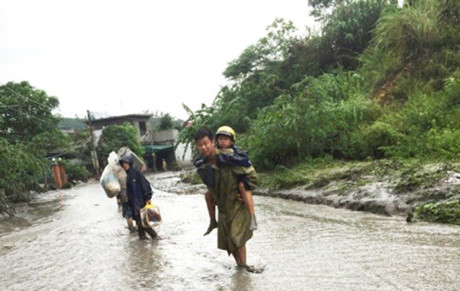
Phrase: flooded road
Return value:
(76, 239)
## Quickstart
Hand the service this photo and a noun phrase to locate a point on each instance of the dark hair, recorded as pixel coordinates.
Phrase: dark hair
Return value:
(203, 132)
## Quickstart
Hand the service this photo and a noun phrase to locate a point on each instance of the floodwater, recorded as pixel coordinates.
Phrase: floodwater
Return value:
(76, 239)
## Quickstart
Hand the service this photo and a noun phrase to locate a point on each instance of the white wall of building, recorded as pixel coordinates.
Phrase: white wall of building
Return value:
(184, 161)
(165, 136)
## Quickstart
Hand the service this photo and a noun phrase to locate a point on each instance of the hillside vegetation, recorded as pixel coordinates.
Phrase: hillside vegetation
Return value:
(377, 82)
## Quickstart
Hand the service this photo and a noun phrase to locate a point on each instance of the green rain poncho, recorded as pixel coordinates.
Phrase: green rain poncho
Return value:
(233, 218)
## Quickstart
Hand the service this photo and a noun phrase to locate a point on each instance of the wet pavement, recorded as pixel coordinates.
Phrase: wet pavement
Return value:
(76, 239)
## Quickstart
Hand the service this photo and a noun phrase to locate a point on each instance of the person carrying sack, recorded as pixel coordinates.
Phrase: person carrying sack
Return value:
(139, 193)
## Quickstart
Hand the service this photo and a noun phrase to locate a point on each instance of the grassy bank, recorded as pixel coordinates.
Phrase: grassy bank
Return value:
(431, 189)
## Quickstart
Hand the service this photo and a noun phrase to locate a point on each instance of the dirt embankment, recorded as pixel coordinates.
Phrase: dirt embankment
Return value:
(371, 198)
(383, 196)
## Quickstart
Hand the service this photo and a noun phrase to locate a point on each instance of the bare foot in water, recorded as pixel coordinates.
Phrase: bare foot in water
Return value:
(212, 225)
(251, 269)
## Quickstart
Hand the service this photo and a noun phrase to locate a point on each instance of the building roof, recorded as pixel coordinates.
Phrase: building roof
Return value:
(156, 148)
(122, 117)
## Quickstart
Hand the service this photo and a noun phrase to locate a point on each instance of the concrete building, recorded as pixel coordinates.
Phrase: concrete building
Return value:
(169, 137)
(158, 145)
(141, 121)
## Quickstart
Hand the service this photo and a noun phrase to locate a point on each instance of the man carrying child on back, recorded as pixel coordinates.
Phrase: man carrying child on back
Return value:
(222, 181)
(230, 155)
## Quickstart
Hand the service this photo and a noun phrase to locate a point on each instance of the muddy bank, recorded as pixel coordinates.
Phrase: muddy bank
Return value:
(373, 198)
(412, 188)
(377, 197)
(175, 182)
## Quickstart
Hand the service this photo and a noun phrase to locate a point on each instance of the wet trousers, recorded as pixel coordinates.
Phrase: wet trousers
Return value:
(142, 230)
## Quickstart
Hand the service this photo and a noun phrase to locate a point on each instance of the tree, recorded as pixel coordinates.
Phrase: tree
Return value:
(72, 123)
(114, 137)
(166, 122)
(255, 77)
(265, 54)
(22, 170)
(28, 130)
(25, 112)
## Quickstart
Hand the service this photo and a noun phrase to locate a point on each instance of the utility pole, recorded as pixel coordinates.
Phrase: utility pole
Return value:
(93, 146)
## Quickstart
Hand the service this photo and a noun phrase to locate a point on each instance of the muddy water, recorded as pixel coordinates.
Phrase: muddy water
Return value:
(77, 240)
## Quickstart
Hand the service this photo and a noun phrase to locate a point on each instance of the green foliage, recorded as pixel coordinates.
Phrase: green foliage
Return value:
(72, 123)
(310, 172)
(444, 143)
(51, 141)
(377, 82)
(443, 212)
(204, 117)
(28, 130)
(114, 137)
(348, 30)
(80, 147)
(166, 122)
(315, 122)
(409, 33)
(369, 141)
(21, 172)
(413, 175)
(76, 173)
(427, 125)
(25, 112)
(256, 78)
(265, 55)
(419, 41)
(161, 121)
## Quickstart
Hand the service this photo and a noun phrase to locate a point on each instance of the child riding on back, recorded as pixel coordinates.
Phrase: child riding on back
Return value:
(232, 155)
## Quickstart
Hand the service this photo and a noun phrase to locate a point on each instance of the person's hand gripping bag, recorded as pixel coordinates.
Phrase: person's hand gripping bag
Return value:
(150, 215)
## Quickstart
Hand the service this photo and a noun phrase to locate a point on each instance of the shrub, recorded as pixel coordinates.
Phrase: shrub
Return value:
(444, 212)
(76, 173)
(21, 172)
(114, 137)
(444, 143)
(315, 120)
(372, 140)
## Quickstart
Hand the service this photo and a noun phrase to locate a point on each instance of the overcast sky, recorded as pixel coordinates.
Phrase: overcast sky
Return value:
(122, 57)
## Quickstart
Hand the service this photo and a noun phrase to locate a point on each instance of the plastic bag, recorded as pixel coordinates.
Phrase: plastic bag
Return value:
(110, 184)
(112, 175)
(120, 173)
(113, 158)
(150, 216)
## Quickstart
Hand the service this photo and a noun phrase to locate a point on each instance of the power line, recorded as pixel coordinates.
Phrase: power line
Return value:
(40, 104)
(30, 99)
(28, 115)
(32, 117)
(72, 148)
(65, 150)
